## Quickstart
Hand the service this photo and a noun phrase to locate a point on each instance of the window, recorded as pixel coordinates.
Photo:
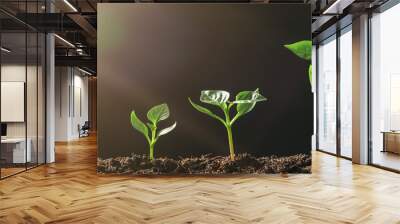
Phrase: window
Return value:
(385, 89)
(334, 106)
(22, 77)
(346, 92)
(327, 95)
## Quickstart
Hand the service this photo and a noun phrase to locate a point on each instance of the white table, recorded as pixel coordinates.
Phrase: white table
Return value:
(19, 154)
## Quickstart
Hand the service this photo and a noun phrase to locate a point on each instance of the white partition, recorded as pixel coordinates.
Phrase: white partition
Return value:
(12, 101)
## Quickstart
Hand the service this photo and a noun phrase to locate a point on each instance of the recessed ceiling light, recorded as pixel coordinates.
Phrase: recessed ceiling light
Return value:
(337, 7)
(5, 50)
(64, 40)
(84, 71)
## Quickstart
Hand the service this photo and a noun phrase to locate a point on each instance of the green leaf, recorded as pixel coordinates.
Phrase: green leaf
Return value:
(206, 111)
(245, 104)
(310, 73)
(139, 125)
(158, 113)
(166, 130)
(302, 49)
(246, 101)
(249, 97)
(214, 97)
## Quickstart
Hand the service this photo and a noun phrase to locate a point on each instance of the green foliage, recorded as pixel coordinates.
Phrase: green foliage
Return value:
(139, 125)
(215, 97)
(154, 115)
(206, 111)
(303, 49)
(158, 113)
(245, 101)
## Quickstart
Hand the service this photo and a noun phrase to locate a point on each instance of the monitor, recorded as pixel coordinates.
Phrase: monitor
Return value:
(3, 129)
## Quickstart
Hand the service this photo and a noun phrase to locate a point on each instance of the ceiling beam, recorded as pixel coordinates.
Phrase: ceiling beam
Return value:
(82, 61)
(84, 24)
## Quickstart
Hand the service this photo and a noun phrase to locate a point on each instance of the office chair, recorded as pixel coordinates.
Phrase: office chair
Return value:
(84, 130)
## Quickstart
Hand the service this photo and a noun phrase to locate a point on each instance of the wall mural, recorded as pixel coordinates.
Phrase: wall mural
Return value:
(230, 62)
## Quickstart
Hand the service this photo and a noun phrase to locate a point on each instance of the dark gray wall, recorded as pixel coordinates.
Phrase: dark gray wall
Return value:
(154, 53)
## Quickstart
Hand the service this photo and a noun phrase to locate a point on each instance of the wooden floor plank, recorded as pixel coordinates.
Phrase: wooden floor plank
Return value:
(70, 191)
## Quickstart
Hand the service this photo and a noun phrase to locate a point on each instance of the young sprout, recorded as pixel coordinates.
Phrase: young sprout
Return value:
(303, 50)
(245, 102)
(154, 115)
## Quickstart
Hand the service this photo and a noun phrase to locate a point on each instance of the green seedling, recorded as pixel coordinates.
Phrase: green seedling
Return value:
(303, 50)
(154, 115)
(245, 102)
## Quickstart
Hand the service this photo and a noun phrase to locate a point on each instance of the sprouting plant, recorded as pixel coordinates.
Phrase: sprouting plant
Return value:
(245, 101)
(154, 115)
(303, 50)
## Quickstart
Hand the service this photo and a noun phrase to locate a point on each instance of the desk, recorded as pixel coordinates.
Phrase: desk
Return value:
(13, 150)
(391, 141)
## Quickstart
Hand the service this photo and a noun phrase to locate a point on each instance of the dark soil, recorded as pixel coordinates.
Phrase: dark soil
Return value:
(206, 164)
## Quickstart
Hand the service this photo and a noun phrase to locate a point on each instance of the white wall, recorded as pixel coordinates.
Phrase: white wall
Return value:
(81, 104)
(16, 73)
(12, 73)
(71, 102)
(62, 82)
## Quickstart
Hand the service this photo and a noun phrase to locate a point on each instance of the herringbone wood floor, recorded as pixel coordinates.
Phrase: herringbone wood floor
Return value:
(70, 191)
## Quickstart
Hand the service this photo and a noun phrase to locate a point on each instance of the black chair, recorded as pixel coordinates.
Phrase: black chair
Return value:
(84, 130)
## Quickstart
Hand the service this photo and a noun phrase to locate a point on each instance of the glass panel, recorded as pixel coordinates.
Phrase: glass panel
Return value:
(14, 152)
(41, 99)
(385, 128)
(32, 95)
(327, 96)
(32, 87)
(346, 94)
(22, 89)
